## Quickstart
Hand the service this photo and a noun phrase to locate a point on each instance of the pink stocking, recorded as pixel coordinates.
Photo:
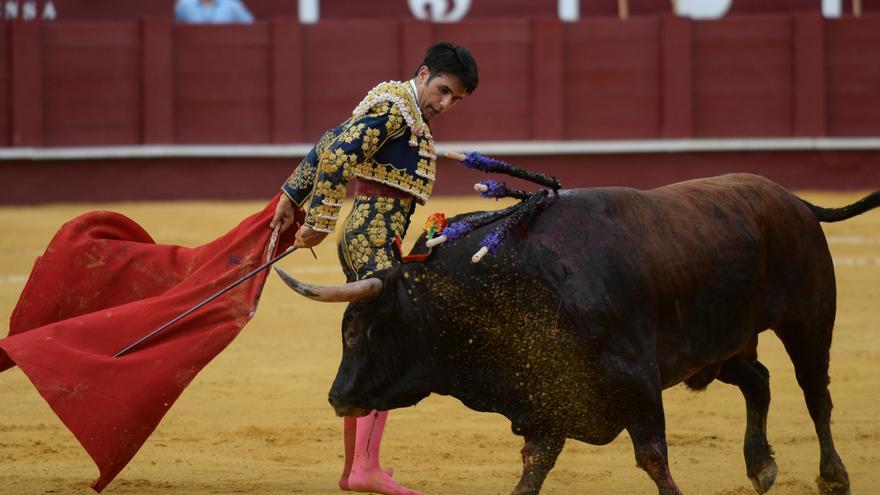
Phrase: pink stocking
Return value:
(349, 430)
(366, 475)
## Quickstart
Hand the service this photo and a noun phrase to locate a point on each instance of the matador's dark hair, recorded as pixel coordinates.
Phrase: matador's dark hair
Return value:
(445, 58)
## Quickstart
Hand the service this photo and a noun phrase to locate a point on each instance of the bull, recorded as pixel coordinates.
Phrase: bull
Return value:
(574, 327)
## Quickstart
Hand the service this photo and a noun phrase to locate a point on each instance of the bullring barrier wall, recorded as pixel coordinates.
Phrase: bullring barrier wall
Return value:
(280, 83)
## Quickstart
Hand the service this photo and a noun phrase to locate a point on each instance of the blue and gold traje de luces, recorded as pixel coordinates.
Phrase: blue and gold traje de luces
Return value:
(386, 140)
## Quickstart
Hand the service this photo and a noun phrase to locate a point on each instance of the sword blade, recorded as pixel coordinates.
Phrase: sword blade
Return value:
(206, 301)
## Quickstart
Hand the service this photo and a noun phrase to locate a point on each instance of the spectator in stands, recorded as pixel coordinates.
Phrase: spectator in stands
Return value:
(387, 149)
(212, 12)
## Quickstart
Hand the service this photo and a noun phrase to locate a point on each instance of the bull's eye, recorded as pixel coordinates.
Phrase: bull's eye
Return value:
(351, 336)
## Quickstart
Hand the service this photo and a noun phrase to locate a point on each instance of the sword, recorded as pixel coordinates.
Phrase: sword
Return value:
(206, 301)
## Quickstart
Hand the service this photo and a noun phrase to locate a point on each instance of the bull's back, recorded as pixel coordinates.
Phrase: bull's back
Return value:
(702, 265)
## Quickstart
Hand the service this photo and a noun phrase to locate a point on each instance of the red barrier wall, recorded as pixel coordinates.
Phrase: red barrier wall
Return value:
(222, 84)
(67, 84)
(5, 90)
(611, 79)
(501, 106)
(743, 77)
(91, 81)
(853, 76)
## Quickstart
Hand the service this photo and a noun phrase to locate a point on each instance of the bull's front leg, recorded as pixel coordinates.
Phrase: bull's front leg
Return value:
(652, 457)
(539, 456)
(647, 429)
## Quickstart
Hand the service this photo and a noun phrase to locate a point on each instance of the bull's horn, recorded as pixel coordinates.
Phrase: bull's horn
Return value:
(361, 290)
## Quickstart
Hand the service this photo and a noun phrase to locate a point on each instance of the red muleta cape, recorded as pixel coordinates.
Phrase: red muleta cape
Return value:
(102, 284)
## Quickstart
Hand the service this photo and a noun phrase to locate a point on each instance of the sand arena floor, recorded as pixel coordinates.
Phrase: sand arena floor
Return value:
(256, 420)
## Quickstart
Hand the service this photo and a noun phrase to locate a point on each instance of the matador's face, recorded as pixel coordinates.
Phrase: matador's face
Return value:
(437, 92)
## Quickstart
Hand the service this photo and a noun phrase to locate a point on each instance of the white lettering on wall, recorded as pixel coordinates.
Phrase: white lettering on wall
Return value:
(456, 10)
(569, 10)
(439, 10)
(702, 9)
(49, 13)
(28, 10)
(10, 10)
(831, 8)
(309, 11)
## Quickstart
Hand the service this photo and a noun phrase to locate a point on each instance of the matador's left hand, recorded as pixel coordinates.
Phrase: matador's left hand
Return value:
(307, 237)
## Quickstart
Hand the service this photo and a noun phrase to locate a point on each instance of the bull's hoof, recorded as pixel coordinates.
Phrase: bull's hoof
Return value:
(764, 478)
(519, 490)
(833, 487)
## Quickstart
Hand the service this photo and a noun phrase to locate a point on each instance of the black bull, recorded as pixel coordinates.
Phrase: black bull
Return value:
(575, 326)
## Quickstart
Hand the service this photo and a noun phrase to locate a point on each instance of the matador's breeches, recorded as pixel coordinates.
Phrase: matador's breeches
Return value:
(366, 243)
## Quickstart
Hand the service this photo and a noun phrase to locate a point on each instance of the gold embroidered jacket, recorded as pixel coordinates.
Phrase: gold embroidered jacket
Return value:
(386, 140)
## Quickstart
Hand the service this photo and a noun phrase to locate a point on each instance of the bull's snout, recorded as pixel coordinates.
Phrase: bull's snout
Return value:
(344, 406)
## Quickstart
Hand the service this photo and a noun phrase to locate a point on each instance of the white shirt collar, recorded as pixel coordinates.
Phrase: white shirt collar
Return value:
(412, 83)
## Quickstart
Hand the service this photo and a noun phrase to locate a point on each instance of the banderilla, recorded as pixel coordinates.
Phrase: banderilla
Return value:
(206, 301)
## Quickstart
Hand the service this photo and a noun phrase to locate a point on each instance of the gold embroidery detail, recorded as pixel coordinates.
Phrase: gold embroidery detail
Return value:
(327, 189)
(370, 231)
(395, 121)
(360, 213)
(377, 231)
(359, 248)
(382, 261)
(331, 161)
(370, 142)
(427, 147)
(397, 222)
(304, 176)
(352, 133)
(380, 108)
(325, 141)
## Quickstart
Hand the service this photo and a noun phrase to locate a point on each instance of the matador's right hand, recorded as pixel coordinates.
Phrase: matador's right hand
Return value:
(285, 214)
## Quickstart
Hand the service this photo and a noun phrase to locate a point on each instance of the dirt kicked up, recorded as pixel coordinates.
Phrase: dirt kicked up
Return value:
(256, 420)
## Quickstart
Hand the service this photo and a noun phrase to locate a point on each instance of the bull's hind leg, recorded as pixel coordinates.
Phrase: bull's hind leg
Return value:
(539, 455)
(808, 344)
(753, 380)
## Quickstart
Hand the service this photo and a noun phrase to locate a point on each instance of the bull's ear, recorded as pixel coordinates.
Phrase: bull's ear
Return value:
(361, 290)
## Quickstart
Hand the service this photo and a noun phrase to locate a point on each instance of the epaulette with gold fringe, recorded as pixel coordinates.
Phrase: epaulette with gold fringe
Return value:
(397, 94)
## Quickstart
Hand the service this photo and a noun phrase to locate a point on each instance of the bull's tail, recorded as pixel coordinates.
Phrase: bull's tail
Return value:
(869, 202)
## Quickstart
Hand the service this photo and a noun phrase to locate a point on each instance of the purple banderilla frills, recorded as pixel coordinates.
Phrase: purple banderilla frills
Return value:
(494, 189)
(485, 164)
(523, 211)
(497, 190)
(493, 240)
(474, 221)
(456, 230)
